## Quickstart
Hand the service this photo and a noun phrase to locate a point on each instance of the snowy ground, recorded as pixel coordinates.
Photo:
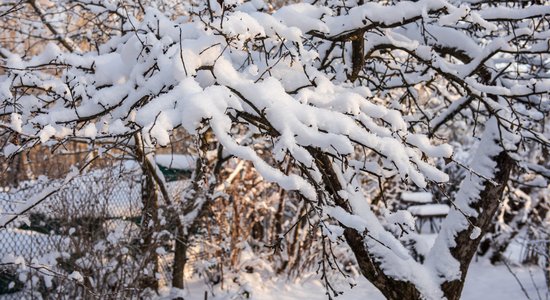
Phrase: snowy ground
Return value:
(484, 281)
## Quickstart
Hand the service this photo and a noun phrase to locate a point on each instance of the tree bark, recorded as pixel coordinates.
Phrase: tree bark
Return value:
(357, 55)
(486, 206)
(180, 258)
(149, 219)
(392, 288)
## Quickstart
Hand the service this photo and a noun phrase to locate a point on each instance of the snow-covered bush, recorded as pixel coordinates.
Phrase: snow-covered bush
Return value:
(327, 100)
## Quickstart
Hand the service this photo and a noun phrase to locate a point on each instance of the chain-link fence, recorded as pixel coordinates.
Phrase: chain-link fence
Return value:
(86, 228)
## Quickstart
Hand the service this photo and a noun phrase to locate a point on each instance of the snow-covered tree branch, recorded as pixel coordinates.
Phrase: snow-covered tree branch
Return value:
(340, 94)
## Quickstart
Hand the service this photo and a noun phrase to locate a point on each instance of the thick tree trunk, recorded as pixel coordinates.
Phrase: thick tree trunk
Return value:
(487, 206)
(392, 288)
(370, 268)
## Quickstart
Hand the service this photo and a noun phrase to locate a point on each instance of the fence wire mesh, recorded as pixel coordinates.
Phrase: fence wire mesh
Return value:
(84, 226)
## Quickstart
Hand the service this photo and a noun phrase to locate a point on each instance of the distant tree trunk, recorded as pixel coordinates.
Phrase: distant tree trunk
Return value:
(17, 169)
(180, 258)
(184, 231)
(149, 224)
(183, 239)
(149, 219)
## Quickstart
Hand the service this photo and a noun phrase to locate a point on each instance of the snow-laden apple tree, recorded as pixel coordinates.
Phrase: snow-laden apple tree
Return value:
(342, 94)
